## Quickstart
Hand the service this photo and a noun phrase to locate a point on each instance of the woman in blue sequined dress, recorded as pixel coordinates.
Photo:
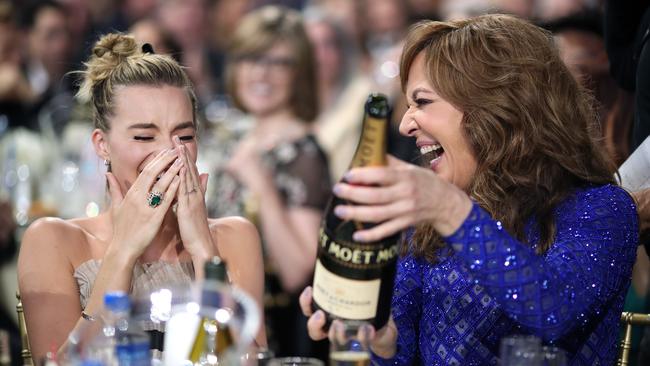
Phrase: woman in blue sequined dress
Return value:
(514, 225)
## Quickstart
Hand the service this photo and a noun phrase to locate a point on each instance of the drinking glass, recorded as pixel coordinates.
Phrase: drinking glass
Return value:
(182, 309)
(257, 357)
(521, 351)
(349, 343)
(295, 361)
(554, 356)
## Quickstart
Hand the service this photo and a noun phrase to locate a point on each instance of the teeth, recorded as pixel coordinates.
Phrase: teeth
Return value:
(429, 148)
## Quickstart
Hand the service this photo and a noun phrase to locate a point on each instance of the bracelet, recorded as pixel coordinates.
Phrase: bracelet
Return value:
(87, 317)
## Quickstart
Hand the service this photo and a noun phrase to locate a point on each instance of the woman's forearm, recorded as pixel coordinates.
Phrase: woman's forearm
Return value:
(292, 251)
(114, 274)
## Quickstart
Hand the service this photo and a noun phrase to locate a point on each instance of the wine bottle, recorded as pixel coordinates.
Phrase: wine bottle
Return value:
(213, 336)
(355, 280)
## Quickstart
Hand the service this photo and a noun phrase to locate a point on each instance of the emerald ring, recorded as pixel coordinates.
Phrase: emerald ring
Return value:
(154, 199)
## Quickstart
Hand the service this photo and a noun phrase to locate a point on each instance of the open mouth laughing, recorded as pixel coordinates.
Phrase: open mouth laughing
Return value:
(431, 154)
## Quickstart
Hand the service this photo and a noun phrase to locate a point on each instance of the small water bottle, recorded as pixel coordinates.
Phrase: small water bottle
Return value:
(131, 343)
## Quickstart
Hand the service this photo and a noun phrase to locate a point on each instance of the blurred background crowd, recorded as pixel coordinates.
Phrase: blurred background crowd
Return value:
(48, 166)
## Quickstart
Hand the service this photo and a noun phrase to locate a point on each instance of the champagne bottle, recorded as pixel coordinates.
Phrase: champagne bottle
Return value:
(213, 336)
(355, 280)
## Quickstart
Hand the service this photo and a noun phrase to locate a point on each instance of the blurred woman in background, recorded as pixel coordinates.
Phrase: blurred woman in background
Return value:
(281, 173)
(342, 89)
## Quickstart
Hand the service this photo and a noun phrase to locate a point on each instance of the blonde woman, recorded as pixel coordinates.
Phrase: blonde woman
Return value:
(146, 129)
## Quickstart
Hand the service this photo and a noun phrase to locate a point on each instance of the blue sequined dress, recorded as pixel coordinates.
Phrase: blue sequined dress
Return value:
(487, 285)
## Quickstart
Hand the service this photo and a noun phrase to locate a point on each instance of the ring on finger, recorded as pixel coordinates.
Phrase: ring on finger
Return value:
(154, 199)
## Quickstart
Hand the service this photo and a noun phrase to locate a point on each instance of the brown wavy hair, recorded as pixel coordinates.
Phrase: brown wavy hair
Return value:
(532, 127)
(259, 31)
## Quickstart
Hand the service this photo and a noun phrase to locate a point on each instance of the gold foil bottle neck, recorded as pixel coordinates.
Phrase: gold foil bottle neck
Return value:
(371, 150)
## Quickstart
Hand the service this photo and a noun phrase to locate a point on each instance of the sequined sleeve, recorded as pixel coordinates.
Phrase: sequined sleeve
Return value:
(574, 281)
(406, 311)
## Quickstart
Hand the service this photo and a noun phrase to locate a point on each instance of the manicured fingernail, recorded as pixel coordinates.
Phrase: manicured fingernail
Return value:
(337, 189)
(340, 211)
(177, 139)
(318, 315)
(347, 176)
(178, 162)
(357, 237)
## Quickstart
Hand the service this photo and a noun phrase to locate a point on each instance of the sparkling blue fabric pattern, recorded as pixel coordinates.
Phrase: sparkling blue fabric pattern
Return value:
(487, 285)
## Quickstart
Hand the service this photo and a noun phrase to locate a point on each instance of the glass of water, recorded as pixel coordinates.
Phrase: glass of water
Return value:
(350, 343)
(295, 361)
(257, 357)
(554, 356)
(521, 351)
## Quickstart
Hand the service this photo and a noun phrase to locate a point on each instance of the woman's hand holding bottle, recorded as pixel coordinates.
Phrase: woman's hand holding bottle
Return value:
(136, 217)
(398, 196)
(383, 342)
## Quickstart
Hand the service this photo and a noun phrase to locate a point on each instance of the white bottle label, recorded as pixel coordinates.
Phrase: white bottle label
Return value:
(345, 298)
(180, 333)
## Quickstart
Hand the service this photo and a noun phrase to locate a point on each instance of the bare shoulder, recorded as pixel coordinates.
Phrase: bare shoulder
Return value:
(233, 229)
(235, 237)
(47, 254)
(47, 231)
(53, 240)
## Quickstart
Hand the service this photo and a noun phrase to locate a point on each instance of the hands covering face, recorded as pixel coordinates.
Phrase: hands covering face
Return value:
(137, 215)
(191, 210)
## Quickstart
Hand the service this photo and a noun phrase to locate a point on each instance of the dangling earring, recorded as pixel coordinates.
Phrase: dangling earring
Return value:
(107, 164)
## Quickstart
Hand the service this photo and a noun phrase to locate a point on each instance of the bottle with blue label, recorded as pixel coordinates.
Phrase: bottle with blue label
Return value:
(131, 344)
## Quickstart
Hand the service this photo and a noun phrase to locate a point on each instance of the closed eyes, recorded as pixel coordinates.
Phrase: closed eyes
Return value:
(150, 138)
(419, 102)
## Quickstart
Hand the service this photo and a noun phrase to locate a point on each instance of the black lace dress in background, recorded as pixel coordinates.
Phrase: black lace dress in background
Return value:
(300, 173)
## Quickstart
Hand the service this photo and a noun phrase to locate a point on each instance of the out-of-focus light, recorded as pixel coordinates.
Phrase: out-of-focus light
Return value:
(92, 209)
(23, 172)
(161, 305)
(222, 315)
(389, 69)
(193, 308)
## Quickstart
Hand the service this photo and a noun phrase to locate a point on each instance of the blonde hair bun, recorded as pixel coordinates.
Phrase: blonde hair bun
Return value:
(118, 60)
(107, 54)
(117, 46)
